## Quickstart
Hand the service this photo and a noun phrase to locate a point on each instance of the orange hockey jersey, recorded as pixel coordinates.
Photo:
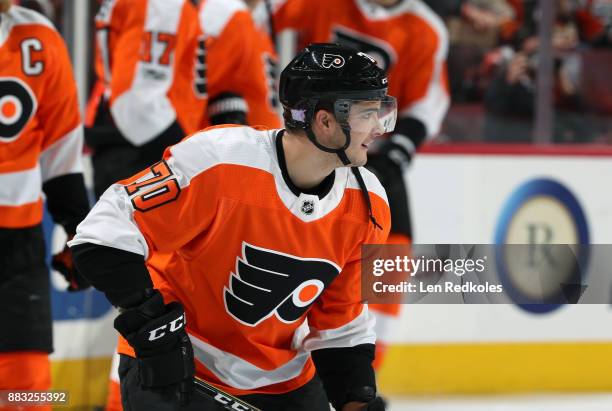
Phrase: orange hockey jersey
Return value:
(241, 61)
(41, 136)
(408, 40)
(265, 274)
(150, 65)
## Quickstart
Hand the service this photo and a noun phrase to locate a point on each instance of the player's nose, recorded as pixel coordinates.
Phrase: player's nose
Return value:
(378, 129)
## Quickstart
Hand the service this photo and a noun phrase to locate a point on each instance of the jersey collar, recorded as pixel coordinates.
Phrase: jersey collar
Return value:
(320, 190)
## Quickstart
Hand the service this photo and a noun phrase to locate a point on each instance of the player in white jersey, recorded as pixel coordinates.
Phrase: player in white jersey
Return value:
(237, 258)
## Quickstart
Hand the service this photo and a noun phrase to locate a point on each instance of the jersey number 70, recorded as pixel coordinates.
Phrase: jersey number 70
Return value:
(156, 191)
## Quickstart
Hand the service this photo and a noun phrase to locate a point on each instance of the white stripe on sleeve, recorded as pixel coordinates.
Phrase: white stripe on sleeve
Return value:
(358, 331)
(64, 156)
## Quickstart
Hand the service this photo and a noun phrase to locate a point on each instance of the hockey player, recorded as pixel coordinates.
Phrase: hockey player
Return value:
(158, 61)
(410, 43)
(41, 140)
(241, 66)
(247, 234)
(151, 91)
(151, 88)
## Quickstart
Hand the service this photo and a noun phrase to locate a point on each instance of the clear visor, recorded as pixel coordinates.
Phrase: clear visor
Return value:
(368, 116)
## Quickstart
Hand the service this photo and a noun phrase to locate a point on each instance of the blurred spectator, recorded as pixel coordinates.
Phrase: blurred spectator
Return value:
(486, 14)
(493, 57)
(594, 17)
(510, 98)
(475, 27)
(474, 22)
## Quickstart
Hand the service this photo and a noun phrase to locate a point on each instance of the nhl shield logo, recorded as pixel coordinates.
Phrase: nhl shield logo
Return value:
(307, 207)
(332, 60)
(267, 282)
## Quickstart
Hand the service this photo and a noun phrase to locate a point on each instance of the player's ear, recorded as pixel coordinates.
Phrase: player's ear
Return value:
(325, 122)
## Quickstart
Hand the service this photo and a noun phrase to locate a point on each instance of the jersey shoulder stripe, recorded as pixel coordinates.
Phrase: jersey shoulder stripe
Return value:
(237, 145)
(216, 14)
(21, 16)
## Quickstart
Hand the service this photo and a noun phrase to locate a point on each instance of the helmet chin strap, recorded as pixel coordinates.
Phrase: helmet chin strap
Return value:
(341, 153)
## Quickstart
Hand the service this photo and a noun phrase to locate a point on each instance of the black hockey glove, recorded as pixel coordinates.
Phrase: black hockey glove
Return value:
(62, 263)
(389, 158)
(163, 349)
(377, 404)
(368, 396)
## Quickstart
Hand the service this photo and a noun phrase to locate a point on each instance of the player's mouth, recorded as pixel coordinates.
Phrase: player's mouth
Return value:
(366, 143)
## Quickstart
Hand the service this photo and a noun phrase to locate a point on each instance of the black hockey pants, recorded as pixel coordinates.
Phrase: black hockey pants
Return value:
(309, 397)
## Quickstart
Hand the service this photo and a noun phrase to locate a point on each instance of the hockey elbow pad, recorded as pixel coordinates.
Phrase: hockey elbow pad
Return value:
(163, 350)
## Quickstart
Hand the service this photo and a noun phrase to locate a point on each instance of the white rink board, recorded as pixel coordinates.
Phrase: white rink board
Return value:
(458, 198)
(431, 324)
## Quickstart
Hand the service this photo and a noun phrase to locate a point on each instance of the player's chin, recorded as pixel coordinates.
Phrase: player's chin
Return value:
(359, 160)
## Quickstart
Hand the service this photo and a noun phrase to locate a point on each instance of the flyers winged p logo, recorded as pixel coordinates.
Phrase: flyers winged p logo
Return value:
(268, 282)
(332, 60)
(17, 106)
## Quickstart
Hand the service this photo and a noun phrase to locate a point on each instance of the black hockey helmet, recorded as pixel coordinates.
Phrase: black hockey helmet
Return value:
(332, 74)
(326, 75)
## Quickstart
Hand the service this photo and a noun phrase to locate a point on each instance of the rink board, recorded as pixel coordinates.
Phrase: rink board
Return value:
(459, 194)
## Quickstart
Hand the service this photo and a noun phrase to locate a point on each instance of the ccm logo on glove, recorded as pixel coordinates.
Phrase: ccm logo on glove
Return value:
(175, 325)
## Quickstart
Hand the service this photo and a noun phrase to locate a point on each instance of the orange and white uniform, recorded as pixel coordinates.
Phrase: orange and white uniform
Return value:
(235, 65)
(407, 40)
(41, 135)
(241, 64)
(266, 274)
(150, 67)
(410, 42)
(41, 141)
